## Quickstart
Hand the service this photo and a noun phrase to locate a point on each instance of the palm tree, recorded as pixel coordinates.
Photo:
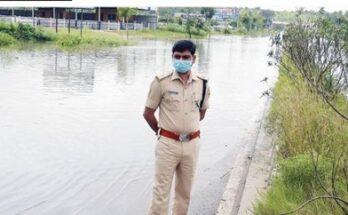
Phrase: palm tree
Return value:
(125, 13)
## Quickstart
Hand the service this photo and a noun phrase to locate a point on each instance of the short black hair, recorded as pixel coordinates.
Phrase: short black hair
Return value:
(183, 45)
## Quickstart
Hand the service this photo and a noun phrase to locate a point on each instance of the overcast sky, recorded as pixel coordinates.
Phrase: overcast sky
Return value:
(329, 5)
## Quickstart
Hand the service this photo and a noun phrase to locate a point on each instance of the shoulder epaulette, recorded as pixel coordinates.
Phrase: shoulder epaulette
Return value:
(162, 76)
(201, 76)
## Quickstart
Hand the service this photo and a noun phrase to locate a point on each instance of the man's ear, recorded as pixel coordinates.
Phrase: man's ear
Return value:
(194, 59)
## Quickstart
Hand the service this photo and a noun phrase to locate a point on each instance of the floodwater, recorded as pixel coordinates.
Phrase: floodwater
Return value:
(73, 140)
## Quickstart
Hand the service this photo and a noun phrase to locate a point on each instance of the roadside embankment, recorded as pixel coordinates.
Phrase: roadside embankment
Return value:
(311, 141)
(298, 121)
(250, 173)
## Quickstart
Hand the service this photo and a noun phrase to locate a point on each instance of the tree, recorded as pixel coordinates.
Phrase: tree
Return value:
(245, 19)
(251, 19)
(125, 13)
(208, 12)
(190, 23)
(166, 14)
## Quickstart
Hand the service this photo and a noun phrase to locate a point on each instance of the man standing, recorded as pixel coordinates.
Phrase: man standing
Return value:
(183, 98)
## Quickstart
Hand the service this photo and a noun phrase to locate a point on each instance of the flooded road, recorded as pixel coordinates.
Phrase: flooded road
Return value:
(73, 139)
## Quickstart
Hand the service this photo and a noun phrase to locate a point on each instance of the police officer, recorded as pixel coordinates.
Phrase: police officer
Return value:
(182, 97)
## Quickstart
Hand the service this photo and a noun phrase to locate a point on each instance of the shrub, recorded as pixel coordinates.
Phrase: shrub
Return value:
(24, 32)
(67, 40)
(41, 35)
(173, 28)
(227, 31)
(7, 40)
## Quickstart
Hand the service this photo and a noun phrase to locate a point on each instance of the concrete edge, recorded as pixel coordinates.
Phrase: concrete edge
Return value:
(232, 197)
(259, 176)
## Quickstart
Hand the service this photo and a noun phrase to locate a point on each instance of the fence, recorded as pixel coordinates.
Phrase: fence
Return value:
(64, 23)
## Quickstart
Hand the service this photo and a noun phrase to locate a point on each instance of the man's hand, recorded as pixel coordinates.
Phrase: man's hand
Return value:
(202, 114)
(149, 115)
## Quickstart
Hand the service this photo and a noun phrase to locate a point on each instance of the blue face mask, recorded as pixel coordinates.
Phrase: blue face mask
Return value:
(182, 66)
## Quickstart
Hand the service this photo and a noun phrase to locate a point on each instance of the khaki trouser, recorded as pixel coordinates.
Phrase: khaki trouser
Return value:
(173, 157)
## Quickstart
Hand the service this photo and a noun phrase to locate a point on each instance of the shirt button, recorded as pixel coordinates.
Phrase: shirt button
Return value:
(185, 113)
(185, 100)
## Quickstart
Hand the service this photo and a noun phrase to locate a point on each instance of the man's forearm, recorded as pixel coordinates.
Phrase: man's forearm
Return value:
(153, 123)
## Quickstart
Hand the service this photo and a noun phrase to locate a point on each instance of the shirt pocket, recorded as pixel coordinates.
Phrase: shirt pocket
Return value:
(172, 100)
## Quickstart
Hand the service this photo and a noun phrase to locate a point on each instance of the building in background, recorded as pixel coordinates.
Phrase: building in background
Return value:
(223, 14)
(147, 16)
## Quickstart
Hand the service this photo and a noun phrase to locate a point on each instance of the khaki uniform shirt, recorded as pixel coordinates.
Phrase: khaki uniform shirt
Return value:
(178, 104)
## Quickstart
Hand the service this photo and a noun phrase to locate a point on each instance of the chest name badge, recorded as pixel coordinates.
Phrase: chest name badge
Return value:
(171, 92)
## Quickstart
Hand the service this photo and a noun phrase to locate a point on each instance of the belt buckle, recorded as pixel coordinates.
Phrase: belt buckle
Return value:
(184, 137)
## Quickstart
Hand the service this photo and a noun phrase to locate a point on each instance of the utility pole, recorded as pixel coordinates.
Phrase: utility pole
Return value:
(55, 17)
(81, 23)
(69, 20)
(13, 18)
(75, 18)
(33, 16)
(99, 20)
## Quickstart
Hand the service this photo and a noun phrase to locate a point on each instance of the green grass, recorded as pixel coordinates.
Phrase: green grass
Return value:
(282, 197)
(159, 34)
(254, 33)
(17, 35)
(305, 127)
(90, 39)
(302, 121)
(279, 198)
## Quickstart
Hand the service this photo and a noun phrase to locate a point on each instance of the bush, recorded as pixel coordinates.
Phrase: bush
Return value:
(242, 30)
(24, 32)
(173, 28)
(7, 28)
(227, 31)
(7, 40)
(41, 35)
(67, 40)
(198, 32)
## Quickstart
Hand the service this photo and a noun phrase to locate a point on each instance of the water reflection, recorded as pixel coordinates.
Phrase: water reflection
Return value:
(67, 72)
(126, 64)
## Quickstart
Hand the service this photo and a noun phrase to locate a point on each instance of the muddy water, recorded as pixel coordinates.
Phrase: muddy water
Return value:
(72, 136)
